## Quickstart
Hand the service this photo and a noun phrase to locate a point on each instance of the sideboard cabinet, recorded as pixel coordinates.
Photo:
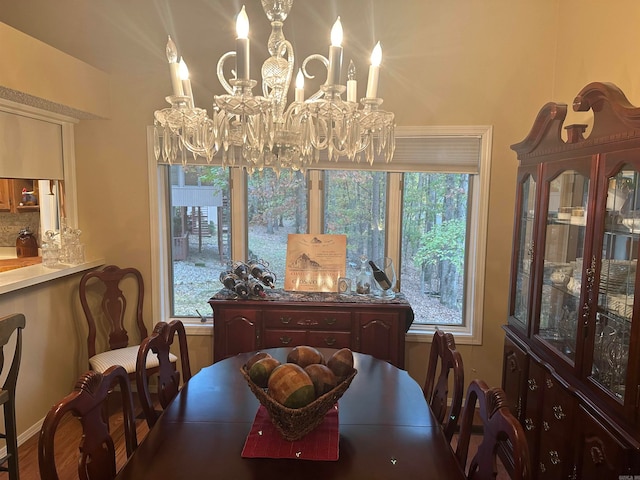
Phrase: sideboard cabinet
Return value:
(365, 325)
(572, 349)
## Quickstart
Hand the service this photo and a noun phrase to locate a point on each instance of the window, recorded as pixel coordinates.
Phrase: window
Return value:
(277, 206)
(427, 212)
(435, 227)
(354, 205)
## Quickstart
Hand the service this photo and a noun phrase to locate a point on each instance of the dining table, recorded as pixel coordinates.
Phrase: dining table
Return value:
(386, 431)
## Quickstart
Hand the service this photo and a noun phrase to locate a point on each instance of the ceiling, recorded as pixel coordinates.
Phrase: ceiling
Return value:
(119, 36)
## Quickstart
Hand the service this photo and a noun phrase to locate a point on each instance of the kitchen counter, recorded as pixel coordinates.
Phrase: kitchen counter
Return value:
(7, 264)
(17, 273)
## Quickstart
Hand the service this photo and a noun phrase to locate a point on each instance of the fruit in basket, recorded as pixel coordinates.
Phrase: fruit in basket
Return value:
(341, 363)
(322, 377)
(255, 358)
(304, 355)
(290, 385)
(261, 371)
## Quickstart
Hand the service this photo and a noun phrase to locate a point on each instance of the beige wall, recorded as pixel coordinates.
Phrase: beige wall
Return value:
(41, 71)
(494, 62)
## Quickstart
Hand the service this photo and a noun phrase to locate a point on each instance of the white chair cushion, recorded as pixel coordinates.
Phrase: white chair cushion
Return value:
(126, 357)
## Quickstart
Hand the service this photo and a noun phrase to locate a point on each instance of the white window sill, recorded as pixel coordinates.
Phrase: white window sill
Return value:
(24, 277)
(198, 329)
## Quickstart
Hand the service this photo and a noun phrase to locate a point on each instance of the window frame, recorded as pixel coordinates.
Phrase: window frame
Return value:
(470, 333)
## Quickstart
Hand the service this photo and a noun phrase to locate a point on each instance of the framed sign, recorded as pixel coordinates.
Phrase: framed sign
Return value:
(315, 262)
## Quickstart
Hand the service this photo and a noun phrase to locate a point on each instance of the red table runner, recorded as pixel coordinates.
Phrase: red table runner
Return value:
(264, 440)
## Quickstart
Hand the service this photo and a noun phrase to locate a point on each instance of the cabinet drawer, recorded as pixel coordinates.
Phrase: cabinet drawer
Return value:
(308, 319)
(329, 339)
(284, 338)
(601, 456)
(556, 433)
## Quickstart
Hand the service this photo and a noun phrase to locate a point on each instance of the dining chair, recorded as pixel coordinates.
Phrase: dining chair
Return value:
(8, 325)
(443, 355)
(501, 431)
(86, 403)
(159, 342)
(105, 287)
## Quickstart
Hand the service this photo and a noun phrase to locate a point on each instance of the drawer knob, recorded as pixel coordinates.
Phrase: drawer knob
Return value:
(307, 322)
(330, 321)
(528, 424)
(330, 341)
(554, 457)
(546, 426)
(533, 386)
(285, 340)
(285, 320)
(558, 413)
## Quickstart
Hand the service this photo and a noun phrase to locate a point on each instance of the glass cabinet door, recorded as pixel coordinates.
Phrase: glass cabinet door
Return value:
(563, 259)
(524, 253)
(619, 258)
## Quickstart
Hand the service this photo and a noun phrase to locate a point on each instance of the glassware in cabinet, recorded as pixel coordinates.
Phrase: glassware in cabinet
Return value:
(524, 246)
(564, 248)
(616, 282)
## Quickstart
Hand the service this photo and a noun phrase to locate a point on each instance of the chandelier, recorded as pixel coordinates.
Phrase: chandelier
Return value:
(258, 132)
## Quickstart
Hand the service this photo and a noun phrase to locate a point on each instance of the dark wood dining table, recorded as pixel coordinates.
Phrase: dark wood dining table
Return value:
(386, 428)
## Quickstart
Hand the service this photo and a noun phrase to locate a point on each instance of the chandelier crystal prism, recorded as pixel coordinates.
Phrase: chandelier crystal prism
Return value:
(257, 132)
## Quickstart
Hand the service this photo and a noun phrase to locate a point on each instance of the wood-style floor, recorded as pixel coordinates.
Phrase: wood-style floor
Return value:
(68, 438)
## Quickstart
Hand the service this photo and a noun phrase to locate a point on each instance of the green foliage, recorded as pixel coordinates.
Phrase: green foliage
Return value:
(444, 242)
(216, 176)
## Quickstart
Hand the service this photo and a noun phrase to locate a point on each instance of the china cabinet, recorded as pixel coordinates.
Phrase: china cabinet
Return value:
(287, 319)
(572, 350)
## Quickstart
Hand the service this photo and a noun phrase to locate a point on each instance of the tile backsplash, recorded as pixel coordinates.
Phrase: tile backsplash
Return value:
(12, 223)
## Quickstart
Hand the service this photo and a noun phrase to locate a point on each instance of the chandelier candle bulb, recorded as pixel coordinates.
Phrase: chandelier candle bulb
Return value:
(299, 92)
(335, 54)
(352, 83)
(242, 46)
(374, 71)
(174, 67)
(186, 83)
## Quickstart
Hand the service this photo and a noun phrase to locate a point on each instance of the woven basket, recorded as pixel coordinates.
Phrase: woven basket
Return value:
(295, 423)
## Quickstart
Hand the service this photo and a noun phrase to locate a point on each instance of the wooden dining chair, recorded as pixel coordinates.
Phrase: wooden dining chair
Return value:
(501, 431)
(86, 403)
(105, 287)
(444, 360)
(159, 342)
(8, 325)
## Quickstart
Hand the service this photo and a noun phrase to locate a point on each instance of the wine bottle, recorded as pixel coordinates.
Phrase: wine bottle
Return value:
(380, 276)
(241, 289)
(228, 279)
(263, 274)
(256, 288)
(240, 269)
(232, 282)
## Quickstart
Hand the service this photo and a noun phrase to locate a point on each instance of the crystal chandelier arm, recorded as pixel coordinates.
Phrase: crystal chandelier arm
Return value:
(277, 72)
(220, 70)
(324, 61)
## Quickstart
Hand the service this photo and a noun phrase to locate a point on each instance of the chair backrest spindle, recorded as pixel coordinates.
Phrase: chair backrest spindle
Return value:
(159, 342)
(436, 388)
(86, 403)
(500, 428)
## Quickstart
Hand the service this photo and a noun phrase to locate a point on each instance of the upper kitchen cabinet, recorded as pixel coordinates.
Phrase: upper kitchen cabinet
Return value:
(572, 313)
(19, 195)
(5, 203)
